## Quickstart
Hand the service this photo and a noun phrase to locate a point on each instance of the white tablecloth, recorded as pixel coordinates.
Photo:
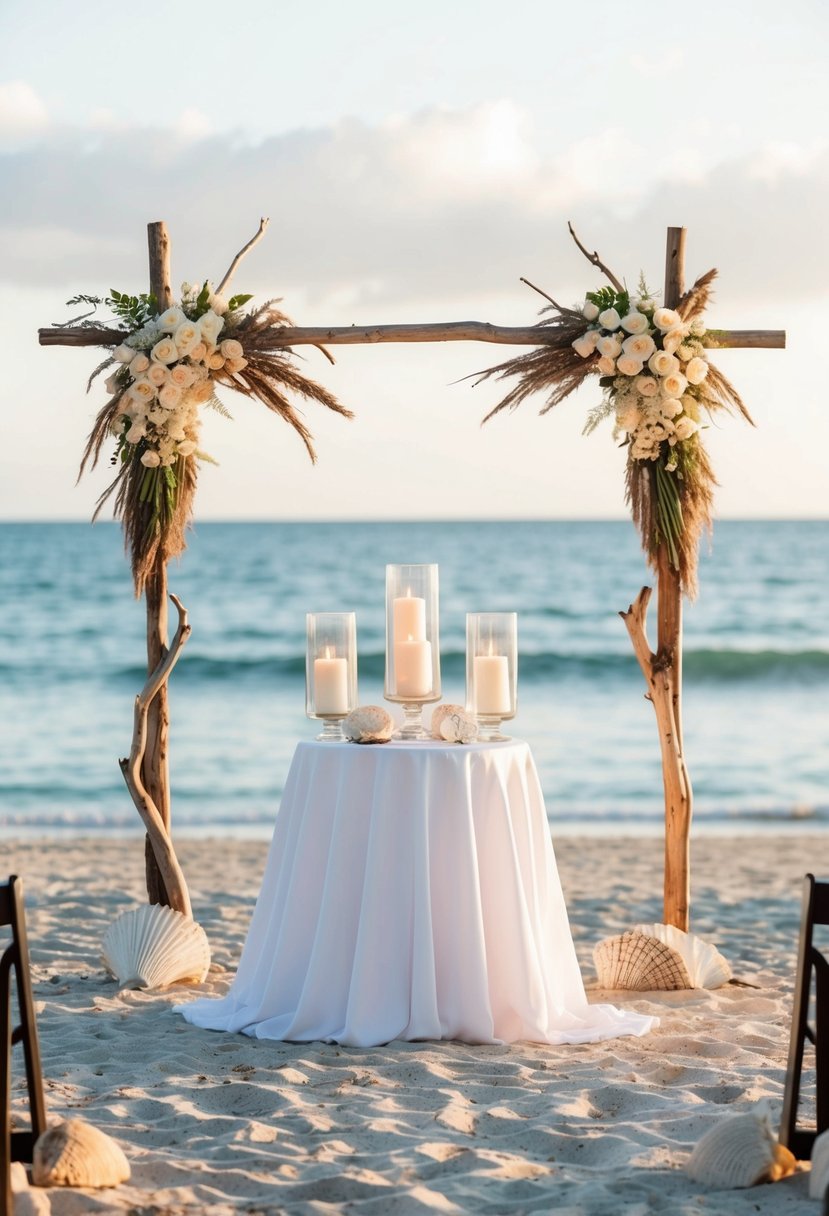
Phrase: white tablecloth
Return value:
(411, 892)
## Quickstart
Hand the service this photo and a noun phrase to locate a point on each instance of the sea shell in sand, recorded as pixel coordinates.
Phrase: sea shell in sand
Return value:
(77, 1154)
(368, 724)
(639, 963)
(706, 966)
(439, 714)
(459, 727)
(739, 1151)
(819, 1176)
(152, 946)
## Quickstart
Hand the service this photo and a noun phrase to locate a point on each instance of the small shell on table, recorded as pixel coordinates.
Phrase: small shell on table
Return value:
(640, 963)
(368, 724)
(739, 1151)
(75, 1153)
(152, 946)
(706, 966)
(819, 1175)
(452, 724)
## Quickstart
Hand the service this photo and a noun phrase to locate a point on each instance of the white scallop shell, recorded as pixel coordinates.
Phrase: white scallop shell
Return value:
(439, 713)
(152, 946)
(639, 963)
(75, 1153)
(706, 966)
(459, 727)
(739, 1151)
(368, 724)
(819, 1176)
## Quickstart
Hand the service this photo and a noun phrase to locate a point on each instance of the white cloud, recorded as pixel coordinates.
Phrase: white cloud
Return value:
(23, 115)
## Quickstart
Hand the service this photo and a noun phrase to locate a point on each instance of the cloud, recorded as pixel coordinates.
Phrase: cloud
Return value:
(436, 206)
(23, 115)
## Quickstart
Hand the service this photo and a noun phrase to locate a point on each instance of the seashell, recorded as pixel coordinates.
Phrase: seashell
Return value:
(368, 724)
(438, 714)
(459, 727)
(152, 946)
(739, 1151)
(706, 966)
(75, 1153)
(640, 963)
(819, 1176)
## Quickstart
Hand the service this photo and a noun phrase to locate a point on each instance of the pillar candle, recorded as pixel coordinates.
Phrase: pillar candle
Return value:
(409, 614)
(330, 685)
(492, 691)
(412, 667)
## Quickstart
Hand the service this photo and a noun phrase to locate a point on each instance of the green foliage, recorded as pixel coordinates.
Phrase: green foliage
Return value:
(608, 297)
(237, 302)
(669, 522)
(134, 310)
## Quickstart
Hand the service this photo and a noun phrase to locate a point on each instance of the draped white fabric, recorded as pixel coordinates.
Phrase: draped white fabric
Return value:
(411, 892)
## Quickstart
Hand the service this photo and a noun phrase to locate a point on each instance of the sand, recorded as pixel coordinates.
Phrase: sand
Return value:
(219, 1123)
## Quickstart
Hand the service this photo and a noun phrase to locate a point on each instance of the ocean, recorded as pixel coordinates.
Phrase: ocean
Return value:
(756, 683)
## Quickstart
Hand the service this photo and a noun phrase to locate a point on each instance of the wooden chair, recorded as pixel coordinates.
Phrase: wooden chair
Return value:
(17, 1145)
(815, 911)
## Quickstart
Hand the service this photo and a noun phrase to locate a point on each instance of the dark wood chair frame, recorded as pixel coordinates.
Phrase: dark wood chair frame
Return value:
(814, 911)
(17, 1145)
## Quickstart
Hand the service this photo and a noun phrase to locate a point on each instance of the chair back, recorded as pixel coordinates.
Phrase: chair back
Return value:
(17, 1145)
(810, 962)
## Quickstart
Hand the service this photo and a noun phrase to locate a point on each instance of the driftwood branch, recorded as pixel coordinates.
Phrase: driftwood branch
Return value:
(158, 247)
(263, 223)
(439, 331)
(162, 845)
(595, 260)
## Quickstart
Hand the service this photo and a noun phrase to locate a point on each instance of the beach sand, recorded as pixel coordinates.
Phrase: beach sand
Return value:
(221, 1123)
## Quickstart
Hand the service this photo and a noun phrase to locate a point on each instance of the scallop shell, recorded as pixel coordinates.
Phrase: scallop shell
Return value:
(368, 724)
(819, 1176)
(706, 966)
(75, 1153)
(737, 1152)
(439, 713)
(152, 946)
(640, 963)
(459, 728)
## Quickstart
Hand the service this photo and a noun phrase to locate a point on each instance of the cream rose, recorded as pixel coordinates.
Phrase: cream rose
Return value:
(584, 346)
(211, 325)
(187, 448)
(142, 390)
(670, 407)
(151, 459)
(215, 362)
(138, 365)
(606, 366)
(170, 320)
(165, 351)
(198, 352)
(218, 304)
(610, 319)
(674, 385)
(610, 345)
(123, 353)
(663, 364)
(186, 336)
(157, 374)
(628, 365)
(182, 376)
(238, 365)
(672, 340)
(666, 318)
(231, 349)
(635, 323)
(685, 428)
(137, 431)
(590, 310)
(169, 396)
(201, 392)
(639, 346)
(696, 370)
(646, 386)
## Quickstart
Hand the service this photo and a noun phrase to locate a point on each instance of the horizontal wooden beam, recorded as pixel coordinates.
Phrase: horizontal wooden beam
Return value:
(451, 331)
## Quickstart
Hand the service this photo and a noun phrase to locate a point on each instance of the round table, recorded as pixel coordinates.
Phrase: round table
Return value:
(411, 892)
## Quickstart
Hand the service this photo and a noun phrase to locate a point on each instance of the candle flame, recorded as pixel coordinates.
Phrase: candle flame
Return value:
(408, 593)
(328, 654)
(491, 647)
(410, 638)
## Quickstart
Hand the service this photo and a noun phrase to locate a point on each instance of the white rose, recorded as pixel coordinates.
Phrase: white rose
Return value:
(169, 396)
(670, 407)
(165, 351)
(589, 310)
(639, 346)
(198, 352)
(211, 325)
(157, 374)
(218, 304)
(170, 320)
(137, 431)
(123, 354)
(187, 448)
(231, 349)
(142, 390)
(186, 336)
(138, 365)
(673, 339)
(606, 366)
(696, 370)
(674, 385)
(151, 459)
(610, 345)
(628, 365)
(666, 318)
(663, 364)
(610, 319)
(238, 365)
(181, 375)
(635, 323)
(584, 346)
(646, 386)
(685, 428)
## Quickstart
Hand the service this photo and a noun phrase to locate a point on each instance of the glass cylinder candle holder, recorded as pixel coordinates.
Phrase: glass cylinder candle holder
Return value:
(412, 643)
(331, 669)
(491, 670)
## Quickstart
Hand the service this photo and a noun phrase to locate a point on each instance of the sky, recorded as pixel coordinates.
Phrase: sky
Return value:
(415, 162)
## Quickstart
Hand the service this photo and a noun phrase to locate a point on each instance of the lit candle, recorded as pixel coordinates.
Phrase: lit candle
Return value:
(330, 684)
(412, 666)
(410, 617)
(492, 691)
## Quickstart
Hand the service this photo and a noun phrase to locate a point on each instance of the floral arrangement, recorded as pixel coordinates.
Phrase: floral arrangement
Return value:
(166, 365)
(658, 385)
